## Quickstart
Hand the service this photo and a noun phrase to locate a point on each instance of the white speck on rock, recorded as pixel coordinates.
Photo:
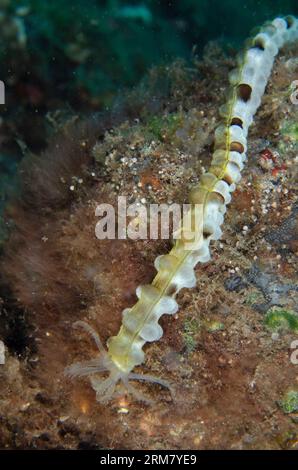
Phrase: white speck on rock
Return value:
(275, 336)
(2, 353)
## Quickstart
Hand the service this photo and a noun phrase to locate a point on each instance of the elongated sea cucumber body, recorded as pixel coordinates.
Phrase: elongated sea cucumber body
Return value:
(175, 270)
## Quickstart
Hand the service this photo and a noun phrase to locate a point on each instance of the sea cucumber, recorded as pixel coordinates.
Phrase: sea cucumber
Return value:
(175, 270)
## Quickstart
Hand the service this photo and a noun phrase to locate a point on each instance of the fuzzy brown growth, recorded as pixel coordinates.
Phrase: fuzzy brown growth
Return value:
(59, 271)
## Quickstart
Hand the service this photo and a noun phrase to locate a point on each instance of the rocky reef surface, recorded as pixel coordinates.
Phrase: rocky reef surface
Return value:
(228, 350)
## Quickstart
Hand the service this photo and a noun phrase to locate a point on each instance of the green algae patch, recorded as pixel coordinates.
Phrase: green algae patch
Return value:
(291, 131)
(253, 298)
(165, 126)
(281, 319)
(289, 403)
(191, 329)
(213, 326)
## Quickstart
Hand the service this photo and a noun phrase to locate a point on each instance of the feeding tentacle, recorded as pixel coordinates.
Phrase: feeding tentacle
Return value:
(117, 383)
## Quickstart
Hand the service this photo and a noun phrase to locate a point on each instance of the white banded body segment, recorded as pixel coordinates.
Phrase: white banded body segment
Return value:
(176, 270)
